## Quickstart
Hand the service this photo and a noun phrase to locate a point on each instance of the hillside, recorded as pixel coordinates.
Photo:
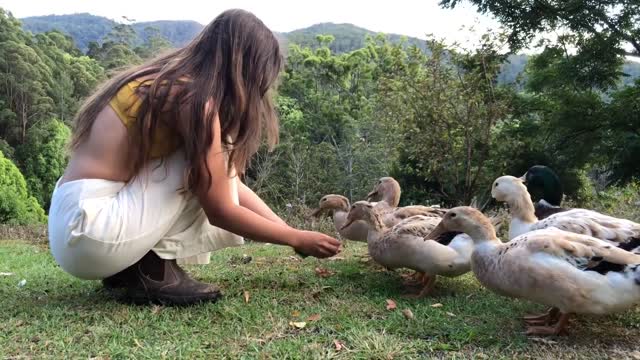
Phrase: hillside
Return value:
(348, 37)
(85, 28)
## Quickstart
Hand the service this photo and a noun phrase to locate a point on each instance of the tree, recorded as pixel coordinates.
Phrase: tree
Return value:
(43, 158)
(611, 22)
(16, 205)
(447, 105)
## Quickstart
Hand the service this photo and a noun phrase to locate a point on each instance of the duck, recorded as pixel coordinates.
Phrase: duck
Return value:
(404, 245)
(546, 190)
(620, 232)
(337, 206)
(572, 273)
(386, 194)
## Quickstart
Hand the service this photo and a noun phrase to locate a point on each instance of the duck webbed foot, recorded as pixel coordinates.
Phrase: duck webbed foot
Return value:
(428, 283)
(549, 318)
(557, 329)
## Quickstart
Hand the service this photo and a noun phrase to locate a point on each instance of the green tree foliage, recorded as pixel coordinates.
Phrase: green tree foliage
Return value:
(43, 158)
(611, 23)
(447, 105)
(580, 90)
(86, 28)
(41, 77)
(16, 205)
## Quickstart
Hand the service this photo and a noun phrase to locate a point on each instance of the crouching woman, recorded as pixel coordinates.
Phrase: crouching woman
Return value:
(153, 174)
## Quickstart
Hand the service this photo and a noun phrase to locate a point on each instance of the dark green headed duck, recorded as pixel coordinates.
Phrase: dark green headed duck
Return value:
(546, 190)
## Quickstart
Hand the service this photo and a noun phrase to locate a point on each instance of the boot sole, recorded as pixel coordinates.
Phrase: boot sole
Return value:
(140, 297)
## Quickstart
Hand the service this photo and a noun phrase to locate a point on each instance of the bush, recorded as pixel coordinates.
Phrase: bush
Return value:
(16, 205)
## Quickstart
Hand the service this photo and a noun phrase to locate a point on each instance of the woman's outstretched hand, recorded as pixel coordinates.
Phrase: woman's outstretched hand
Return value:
(315, 244)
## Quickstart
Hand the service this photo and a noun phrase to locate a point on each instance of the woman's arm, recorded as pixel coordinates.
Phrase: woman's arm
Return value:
(218, 205)
(253, 202)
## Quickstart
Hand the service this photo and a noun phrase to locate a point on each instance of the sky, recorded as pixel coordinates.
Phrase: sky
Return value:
(414, 18)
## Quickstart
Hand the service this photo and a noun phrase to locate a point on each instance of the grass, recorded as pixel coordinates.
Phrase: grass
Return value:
(57, 316)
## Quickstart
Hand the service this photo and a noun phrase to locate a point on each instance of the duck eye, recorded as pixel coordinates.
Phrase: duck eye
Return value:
(496, 185)
(453, 215)
(323, 200)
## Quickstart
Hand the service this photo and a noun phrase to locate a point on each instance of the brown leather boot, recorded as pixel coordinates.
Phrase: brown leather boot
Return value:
(157, 280)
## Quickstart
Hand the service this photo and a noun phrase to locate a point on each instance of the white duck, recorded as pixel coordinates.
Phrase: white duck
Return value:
(571, 272)
(509, 189)
(404, 245)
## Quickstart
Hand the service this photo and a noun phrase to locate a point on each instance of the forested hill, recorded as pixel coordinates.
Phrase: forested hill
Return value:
(85, 28)
(348, 37)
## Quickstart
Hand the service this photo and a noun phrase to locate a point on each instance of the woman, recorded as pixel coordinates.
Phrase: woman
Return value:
(155, 156)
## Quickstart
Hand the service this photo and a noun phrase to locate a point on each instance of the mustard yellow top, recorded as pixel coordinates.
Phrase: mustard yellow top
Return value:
(126, 105)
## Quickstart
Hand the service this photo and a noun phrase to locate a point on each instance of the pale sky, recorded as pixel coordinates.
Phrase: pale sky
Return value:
(413, 18)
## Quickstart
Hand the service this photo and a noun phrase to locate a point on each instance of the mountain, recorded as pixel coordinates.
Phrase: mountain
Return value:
(348, 37)
(85, 28)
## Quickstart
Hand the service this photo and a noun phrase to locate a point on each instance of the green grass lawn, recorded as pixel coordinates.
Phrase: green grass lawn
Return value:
(57, 316)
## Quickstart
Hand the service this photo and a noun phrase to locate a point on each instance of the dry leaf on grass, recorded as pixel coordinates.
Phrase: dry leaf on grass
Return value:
(408, 314)
(436, 305)
(156, 309)
(451, 314)
(246, 296)
(298, 325)
(391, 305)
(5, 274)
(338, 344)
(295, 313)
(324, 273)
(335, 258)
(314, 317)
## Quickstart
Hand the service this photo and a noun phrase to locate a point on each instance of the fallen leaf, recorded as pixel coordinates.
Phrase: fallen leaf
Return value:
(299, 325)
(324, 273)
(246, 296)
(543, 340)
(339, 345)
(314, 317)
(436, 305)
(391, 304)
(295, 313)
(407, 313)
(451, 314)
(156, 309)
(22, 283)
(336, 258)
(5, 274)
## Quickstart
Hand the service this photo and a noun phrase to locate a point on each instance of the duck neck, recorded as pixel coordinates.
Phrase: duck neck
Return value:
(393, 199)
(339, 218)
(376, 225)
(521, 208)
(483, 234)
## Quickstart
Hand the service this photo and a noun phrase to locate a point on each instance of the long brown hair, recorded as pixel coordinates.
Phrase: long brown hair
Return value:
(233, 62)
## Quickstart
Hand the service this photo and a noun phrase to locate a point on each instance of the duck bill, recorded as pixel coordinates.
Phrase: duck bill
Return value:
(316, 212)
(372, 194)
(523, 178)
(349, 222)
(437, 232)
